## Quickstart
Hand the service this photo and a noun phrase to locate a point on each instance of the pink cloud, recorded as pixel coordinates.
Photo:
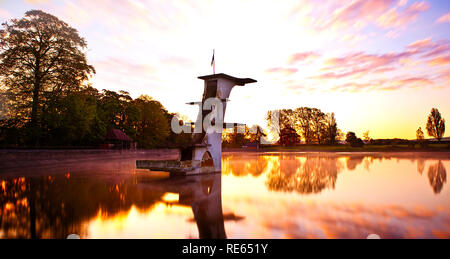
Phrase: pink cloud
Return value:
(420, 44)
(358, 12)
(400, 19)
(359, 63)
(429, 48)
(4, 14)
(302, 57)
(384, 84)
(361, 71)
(402, 2)
(286, 71)
(179, 61)
(444, 18)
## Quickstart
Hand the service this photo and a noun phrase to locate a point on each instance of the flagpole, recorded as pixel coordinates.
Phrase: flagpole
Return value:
(214, 62)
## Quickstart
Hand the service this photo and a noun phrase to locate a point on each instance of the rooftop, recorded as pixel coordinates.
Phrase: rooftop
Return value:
(116, 134)
(238, 81)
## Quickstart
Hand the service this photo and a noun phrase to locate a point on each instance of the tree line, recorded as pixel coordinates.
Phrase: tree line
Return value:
(310, 124)
(46, 99)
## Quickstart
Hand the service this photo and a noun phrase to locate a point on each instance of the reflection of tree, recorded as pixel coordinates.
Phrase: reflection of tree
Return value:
(254, 166)
(420, 165)
(312, 175)
(354, 161)
(437, 176)
(53, 207)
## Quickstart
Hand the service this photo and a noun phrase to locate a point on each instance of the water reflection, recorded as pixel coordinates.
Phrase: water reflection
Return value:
(203, 194)
(56, 206)
(279, 195)
(303, 174)
(437, 176)
(313, 173)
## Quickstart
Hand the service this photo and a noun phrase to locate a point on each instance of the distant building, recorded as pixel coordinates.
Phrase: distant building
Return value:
(117, 139)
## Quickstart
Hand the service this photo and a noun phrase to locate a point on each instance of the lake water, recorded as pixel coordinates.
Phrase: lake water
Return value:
(257, 195)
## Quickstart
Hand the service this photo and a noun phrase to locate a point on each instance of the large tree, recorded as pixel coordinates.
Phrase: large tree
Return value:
(435, 124)
(318, 124)
(303, 117)
(331, 128)
(153, 127)
(41, 59)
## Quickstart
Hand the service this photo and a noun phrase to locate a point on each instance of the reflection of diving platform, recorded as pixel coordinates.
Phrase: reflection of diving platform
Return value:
(202, 193)
(203, 154)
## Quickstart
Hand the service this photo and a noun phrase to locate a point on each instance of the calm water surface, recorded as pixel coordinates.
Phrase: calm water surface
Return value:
(270, 195)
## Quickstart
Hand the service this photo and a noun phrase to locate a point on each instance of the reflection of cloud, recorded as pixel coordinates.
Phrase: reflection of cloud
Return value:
(312, 220)
(437, 176)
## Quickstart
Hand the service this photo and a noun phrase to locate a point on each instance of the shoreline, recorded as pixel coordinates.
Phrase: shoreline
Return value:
(39, 161)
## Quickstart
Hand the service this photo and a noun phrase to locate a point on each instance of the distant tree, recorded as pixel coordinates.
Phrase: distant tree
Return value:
(277, 120)
(255, 133)
(153, 126)
(435, 124)
(350, 137)
(366, 136)
(235, 137)
(318, 124)
(340, 135)
(41, 59)
(303, 120)
(289, 137)
(353, 140)
(419, 135)
(331, 128)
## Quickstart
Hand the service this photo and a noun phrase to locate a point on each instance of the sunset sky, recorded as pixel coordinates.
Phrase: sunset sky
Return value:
(379, 65)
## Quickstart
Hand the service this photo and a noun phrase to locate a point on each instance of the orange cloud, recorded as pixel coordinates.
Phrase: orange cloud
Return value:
(440, 61)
